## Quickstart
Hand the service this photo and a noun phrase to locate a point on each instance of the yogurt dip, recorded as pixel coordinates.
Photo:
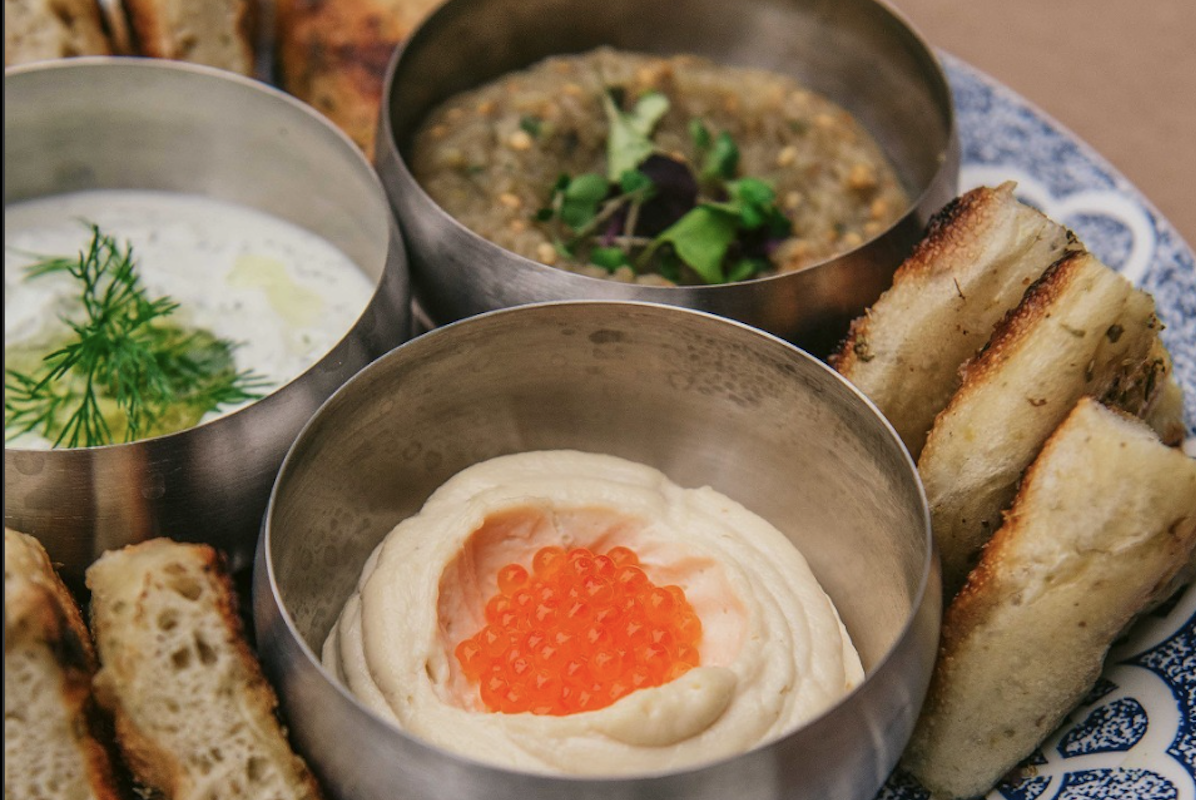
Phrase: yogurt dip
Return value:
(773, 652)
(283, 294)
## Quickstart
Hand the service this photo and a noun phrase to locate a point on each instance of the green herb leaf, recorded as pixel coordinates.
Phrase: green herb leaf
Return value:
(698, 242)
(581, 198)
(633, 181)
(609, 258)
(745, 268)
(629, 141)
(751, 191)
(699, 134)
(531, 125)
(700, 239)
(754, 199)
(722, 160)
(563, 250)
(669, 266)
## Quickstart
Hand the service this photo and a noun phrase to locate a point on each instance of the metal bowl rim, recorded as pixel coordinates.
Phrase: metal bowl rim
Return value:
(294, 105)
(944, 157)
(265, 549)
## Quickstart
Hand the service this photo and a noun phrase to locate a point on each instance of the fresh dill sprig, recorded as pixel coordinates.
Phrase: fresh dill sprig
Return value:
(123, 372)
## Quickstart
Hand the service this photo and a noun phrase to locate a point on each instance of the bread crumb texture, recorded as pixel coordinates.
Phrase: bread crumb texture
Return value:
(38, 30)
(216, 33)
(194, 716)
(1049, 351)
(980, 254)
(50, 751)
(1102, 529)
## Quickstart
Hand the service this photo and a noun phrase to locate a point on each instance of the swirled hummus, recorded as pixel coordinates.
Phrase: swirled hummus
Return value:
(773, 652)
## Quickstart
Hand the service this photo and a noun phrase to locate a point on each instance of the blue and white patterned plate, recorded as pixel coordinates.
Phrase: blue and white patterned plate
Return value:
(1134, 736)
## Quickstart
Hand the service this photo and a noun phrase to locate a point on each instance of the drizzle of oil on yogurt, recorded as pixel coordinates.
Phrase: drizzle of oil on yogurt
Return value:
(285, 295)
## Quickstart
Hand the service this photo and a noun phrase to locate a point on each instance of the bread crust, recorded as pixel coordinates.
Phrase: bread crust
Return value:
(333, 55)
(978, 257)
(164, 613)
(1081, 329)
(1104, 522)
(1152, 393)
(37, 30)
(218, 33)
(43, 622)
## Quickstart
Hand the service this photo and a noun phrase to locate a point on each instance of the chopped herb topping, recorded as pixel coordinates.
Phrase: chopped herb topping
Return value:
(121, 372)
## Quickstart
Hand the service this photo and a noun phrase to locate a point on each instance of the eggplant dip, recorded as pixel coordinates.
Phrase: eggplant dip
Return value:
(657, 170)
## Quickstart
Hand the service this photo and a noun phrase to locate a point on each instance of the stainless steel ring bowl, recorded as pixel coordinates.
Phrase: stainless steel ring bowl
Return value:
(704, 399)
(859, 53)
(110, 123)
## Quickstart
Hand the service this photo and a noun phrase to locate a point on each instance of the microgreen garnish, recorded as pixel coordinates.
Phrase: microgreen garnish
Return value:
(722, 160)
(580, 198)
(689, 218)
(629, 140)
(718, 156)
(610, 258)
(700, 239)
(531, 125)
(121, 372)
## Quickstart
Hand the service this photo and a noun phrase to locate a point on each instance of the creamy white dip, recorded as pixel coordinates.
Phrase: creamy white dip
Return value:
(774, 652)
(283, 294)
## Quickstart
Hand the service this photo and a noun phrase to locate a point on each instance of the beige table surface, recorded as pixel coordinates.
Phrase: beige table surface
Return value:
(1120, 74)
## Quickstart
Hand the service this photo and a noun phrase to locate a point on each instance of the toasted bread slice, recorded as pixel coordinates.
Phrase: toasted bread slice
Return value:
(1162, 399)
(37, 30)
(334, 56)
(195, 719)
(51, 747)
(979, 256)
(1104, 520)
(217, 33)
(1080, 330)
(116, 23)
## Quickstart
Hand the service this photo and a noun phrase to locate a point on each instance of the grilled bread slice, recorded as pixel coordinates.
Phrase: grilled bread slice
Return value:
(36, 30)
(334, 55)
(1103, 522)
(217, 33)
(1081, 329)
(1155, 396)
(51, 747)
(195, 719)
(979, 255)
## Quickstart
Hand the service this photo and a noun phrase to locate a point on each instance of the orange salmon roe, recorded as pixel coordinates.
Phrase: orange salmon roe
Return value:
(578, 633)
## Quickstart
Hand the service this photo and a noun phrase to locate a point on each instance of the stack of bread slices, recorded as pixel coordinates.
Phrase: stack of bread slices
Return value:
(218, 33)
(178, 707)
(1029, 382)
(332, 55)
